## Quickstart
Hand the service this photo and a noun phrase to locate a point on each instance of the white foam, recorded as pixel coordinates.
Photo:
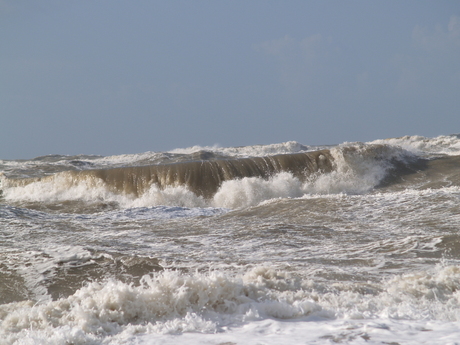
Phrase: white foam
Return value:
(249, 151)
(251, 191)
(216, 305)
(59, 187)
(443, 144)
(273, 332)
(165, 303)
(169, 196)
(358, 169)
(148, 157)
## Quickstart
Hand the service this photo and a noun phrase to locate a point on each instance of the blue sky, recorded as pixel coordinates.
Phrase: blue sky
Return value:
(111, 77)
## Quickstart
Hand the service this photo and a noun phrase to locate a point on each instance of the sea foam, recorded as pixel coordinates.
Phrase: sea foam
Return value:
(171, 303)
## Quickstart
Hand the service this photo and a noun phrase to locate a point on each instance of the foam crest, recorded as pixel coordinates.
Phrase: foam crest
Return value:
(129, 159)
(442, 284)
(169, 196)
(358, 168)
(249, 151)
(443, 144)
(58, 187)
(251, 191)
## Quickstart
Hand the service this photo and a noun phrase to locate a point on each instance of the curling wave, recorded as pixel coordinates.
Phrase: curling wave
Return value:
(202, 177)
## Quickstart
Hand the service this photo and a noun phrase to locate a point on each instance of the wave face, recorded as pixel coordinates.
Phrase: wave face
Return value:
(277, 244)
(206, 176)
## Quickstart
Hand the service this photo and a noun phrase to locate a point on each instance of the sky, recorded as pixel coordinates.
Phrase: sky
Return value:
(109, 77)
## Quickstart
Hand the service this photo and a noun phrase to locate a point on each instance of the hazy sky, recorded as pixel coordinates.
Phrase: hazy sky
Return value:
(113, 77)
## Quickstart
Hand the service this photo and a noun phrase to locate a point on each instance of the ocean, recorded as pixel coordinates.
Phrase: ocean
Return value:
(289, 243)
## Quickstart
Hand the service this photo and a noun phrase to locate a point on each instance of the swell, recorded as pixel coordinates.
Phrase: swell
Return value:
(202, 177)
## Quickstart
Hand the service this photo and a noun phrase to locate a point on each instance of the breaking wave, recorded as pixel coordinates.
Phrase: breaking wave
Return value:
(229, 183)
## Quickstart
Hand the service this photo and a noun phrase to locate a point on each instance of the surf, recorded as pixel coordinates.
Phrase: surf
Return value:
(216, 181)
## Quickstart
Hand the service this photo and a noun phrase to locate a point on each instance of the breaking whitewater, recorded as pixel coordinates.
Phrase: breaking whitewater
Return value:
(356, 243)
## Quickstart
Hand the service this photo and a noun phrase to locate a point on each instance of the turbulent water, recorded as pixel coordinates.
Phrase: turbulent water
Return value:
(356, 243)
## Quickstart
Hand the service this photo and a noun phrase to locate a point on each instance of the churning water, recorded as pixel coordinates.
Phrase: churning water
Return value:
(355, 243)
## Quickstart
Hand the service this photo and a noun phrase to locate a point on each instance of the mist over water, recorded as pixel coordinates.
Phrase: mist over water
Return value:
(284, 243)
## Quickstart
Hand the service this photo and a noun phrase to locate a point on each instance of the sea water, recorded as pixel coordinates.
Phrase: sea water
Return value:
(360, 247)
